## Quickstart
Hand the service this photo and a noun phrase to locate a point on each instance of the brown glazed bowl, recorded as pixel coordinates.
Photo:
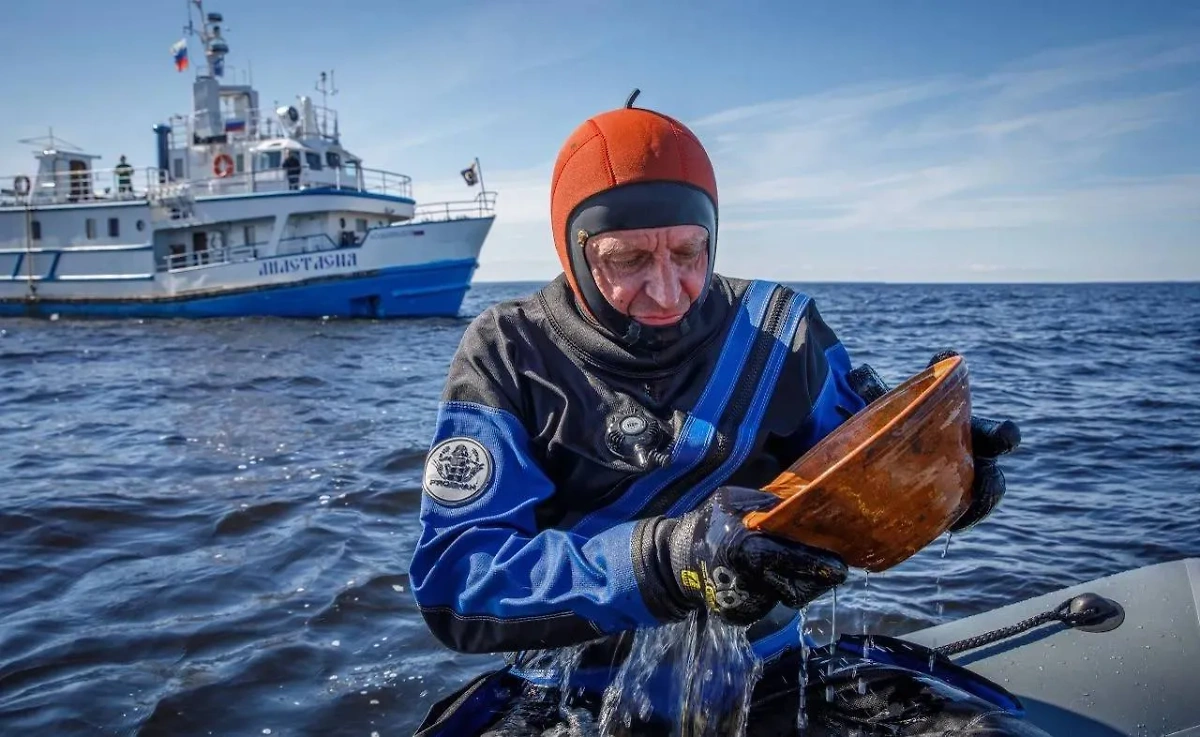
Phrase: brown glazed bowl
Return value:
(889, 480)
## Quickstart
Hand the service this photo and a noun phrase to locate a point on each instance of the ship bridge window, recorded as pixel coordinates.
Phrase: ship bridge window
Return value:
(271, 160)
(332, 159)
(314, 160)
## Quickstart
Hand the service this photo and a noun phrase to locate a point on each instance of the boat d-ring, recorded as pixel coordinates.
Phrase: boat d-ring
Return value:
(21, 185)
(1087, 612)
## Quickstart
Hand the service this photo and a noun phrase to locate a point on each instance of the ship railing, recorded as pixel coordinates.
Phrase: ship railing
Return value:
(483, 205)
(253, 124)
(297, 244)
(91, 185)
(290, 246)
(373, 181)
(186, 129)
(215, 256)
(383, 182)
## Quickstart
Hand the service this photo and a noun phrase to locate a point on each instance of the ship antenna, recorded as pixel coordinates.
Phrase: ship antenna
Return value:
(189, 29)
(327, 87)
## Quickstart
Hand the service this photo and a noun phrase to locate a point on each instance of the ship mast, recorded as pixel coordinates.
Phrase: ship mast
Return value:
(207, 125)
(209, 33)
(327, 87)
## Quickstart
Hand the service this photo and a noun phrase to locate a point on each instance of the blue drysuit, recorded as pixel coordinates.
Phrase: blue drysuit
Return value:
(554, 445)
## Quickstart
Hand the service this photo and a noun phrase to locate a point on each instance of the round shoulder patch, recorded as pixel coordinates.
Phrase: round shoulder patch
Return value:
(457, 470)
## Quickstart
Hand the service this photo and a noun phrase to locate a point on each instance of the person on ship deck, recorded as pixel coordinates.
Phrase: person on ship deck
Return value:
(598, 442)
(291, 165)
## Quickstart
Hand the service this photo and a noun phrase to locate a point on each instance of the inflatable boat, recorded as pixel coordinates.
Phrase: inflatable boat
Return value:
(1135, 672)
(1118, 655)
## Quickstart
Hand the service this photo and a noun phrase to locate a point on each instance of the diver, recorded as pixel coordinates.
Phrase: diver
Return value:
(598, 442)
(124, 174)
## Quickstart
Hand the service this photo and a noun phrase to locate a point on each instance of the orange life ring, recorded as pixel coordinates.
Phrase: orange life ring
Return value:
(21, 185)
(223, 166)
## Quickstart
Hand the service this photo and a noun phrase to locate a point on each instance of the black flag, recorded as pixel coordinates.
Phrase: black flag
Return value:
(471, 177)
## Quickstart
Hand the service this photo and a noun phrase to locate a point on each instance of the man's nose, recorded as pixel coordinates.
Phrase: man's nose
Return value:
(662, 283)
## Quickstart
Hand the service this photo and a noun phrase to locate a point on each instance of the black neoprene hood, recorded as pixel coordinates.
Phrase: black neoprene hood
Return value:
(646, 204)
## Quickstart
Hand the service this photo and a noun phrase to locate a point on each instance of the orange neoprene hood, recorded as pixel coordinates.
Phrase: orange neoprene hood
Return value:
(623, 169)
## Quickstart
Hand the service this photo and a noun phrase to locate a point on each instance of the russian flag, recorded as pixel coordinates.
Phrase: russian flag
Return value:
(234, 126)
(179, 51)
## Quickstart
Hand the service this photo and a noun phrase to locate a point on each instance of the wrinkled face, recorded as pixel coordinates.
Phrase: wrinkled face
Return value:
(652, 275)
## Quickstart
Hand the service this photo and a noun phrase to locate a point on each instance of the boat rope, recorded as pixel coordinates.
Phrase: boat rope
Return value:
(1088, 612)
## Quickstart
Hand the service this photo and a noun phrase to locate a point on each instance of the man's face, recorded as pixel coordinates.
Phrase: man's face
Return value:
(652, 274)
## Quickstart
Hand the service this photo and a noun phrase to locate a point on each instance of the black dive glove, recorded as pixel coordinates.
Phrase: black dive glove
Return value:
(707, 558)
(989, 440)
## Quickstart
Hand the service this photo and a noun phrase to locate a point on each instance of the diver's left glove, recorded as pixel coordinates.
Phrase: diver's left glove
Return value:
(989, 440)
(708, 558)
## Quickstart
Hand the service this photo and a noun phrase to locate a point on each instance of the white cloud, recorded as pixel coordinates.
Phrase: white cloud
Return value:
(402, 140)
(1029, 145)
(883, 169)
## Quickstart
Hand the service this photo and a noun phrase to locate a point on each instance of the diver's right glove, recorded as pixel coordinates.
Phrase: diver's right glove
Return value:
(708, 558)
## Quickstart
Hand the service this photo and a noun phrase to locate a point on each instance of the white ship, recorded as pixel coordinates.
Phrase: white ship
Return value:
(247, 212)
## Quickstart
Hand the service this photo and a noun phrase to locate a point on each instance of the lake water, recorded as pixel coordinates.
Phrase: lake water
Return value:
(207, 525)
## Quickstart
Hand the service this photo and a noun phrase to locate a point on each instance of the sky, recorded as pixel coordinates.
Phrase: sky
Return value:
(895, 141)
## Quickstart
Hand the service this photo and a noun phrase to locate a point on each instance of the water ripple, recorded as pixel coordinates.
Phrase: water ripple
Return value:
(208, 524)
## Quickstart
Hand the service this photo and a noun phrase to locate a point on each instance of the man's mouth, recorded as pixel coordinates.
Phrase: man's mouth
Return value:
(659, 320)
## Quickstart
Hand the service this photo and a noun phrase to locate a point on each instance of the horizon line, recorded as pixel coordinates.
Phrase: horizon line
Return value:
(912, 283)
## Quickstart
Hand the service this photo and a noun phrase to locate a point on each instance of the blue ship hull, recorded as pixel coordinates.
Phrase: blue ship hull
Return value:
(428, 290)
